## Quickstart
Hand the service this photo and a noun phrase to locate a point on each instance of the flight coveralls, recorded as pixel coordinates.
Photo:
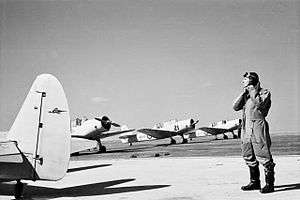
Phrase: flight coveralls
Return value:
(256, 141)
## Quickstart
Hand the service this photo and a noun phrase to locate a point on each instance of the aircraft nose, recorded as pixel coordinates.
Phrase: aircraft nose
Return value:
(192, 121)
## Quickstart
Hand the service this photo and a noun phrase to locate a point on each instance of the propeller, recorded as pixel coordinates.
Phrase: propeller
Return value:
(106, 122)
(193, 123)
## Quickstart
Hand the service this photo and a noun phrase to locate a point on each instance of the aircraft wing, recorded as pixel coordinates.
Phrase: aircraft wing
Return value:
(81, 144)
(158, 134)
(127, 136)
(112, 133)
(214, 131)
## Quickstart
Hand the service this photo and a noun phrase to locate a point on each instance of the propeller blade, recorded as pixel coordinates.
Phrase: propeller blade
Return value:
(196, 122)
(96, 118)
(115, 124)
(108, 122)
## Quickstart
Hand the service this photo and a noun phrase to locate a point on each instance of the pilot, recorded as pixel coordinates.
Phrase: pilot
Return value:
(255, 103)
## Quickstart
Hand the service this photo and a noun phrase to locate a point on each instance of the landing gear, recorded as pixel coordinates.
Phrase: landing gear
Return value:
(184, 141)
(225, 137)
(19, 187)
(101, 148)
(239, 132)
(235, 136)
(130, 144)
(173, 141)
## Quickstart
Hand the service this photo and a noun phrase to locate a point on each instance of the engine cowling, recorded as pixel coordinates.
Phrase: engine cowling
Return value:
(106, 123)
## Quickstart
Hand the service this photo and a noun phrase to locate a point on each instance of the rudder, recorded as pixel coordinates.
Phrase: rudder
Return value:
(42, 128)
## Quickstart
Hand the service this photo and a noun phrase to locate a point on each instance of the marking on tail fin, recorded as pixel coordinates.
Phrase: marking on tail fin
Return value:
(56, 111)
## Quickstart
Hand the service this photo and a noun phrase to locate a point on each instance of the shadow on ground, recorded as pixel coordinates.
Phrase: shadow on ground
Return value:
(86, 168)
(34, 192)
(279, 188)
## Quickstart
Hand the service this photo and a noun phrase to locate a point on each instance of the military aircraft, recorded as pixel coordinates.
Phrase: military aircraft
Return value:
(163, 130)
(135, 137)
(27, 152)
(223, 127)
(90, 133)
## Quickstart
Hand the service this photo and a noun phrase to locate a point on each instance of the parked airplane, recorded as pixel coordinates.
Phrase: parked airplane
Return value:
(223, 127)
(135, 137)
(163, 130)
(90, 133)
(43, 122)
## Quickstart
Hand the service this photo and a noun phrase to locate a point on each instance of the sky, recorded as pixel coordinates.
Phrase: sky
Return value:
(144, 62)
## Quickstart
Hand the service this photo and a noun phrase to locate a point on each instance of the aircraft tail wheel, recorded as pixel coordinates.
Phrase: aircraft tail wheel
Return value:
(19, 187)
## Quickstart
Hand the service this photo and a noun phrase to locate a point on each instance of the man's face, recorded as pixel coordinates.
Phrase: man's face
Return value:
(245, 82)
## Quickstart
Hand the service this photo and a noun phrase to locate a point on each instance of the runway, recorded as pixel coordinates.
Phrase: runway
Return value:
(167, 177)
(282, 144)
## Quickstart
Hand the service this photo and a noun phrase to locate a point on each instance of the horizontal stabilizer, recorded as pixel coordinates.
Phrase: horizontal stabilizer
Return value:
(9, 153)
(14, 164)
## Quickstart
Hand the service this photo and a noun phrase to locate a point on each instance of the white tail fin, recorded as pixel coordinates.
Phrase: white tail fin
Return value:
(42, 128)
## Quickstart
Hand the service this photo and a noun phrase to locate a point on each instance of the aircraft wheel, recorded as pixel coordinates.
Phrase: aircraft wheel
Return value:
(184, 141)
(173, 141)
(235, 136)
(225, 137)
(19, 187)
(130, 144)
(102, 149)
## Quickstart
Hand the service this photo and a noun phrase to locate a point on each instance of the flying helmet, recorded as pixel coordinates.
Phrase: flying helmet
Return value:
(253, 78)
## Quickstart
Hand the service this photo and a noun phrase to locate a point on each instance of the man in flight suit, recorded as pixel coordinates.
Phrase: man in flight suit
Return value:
(256, 142)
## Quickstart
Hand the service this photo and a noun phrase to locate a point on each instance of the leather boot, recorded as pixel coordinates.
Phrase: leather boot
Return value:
(254, 179)
(270, 179)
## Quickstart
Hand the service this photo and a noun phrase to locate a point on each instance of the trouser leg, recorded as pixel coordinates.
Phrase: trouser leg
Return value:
(248, 150)
(261, 142)
(250, 159)
(261, 146)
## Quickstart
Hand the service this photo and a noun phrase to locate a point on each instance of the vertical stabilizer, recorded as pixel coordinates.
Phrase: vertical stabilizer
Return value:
(42, 128)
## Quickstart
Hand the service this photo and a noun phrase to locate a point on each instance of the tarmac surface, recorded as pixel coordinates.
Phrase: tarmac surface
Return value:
(282, 144)
(202, 169)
